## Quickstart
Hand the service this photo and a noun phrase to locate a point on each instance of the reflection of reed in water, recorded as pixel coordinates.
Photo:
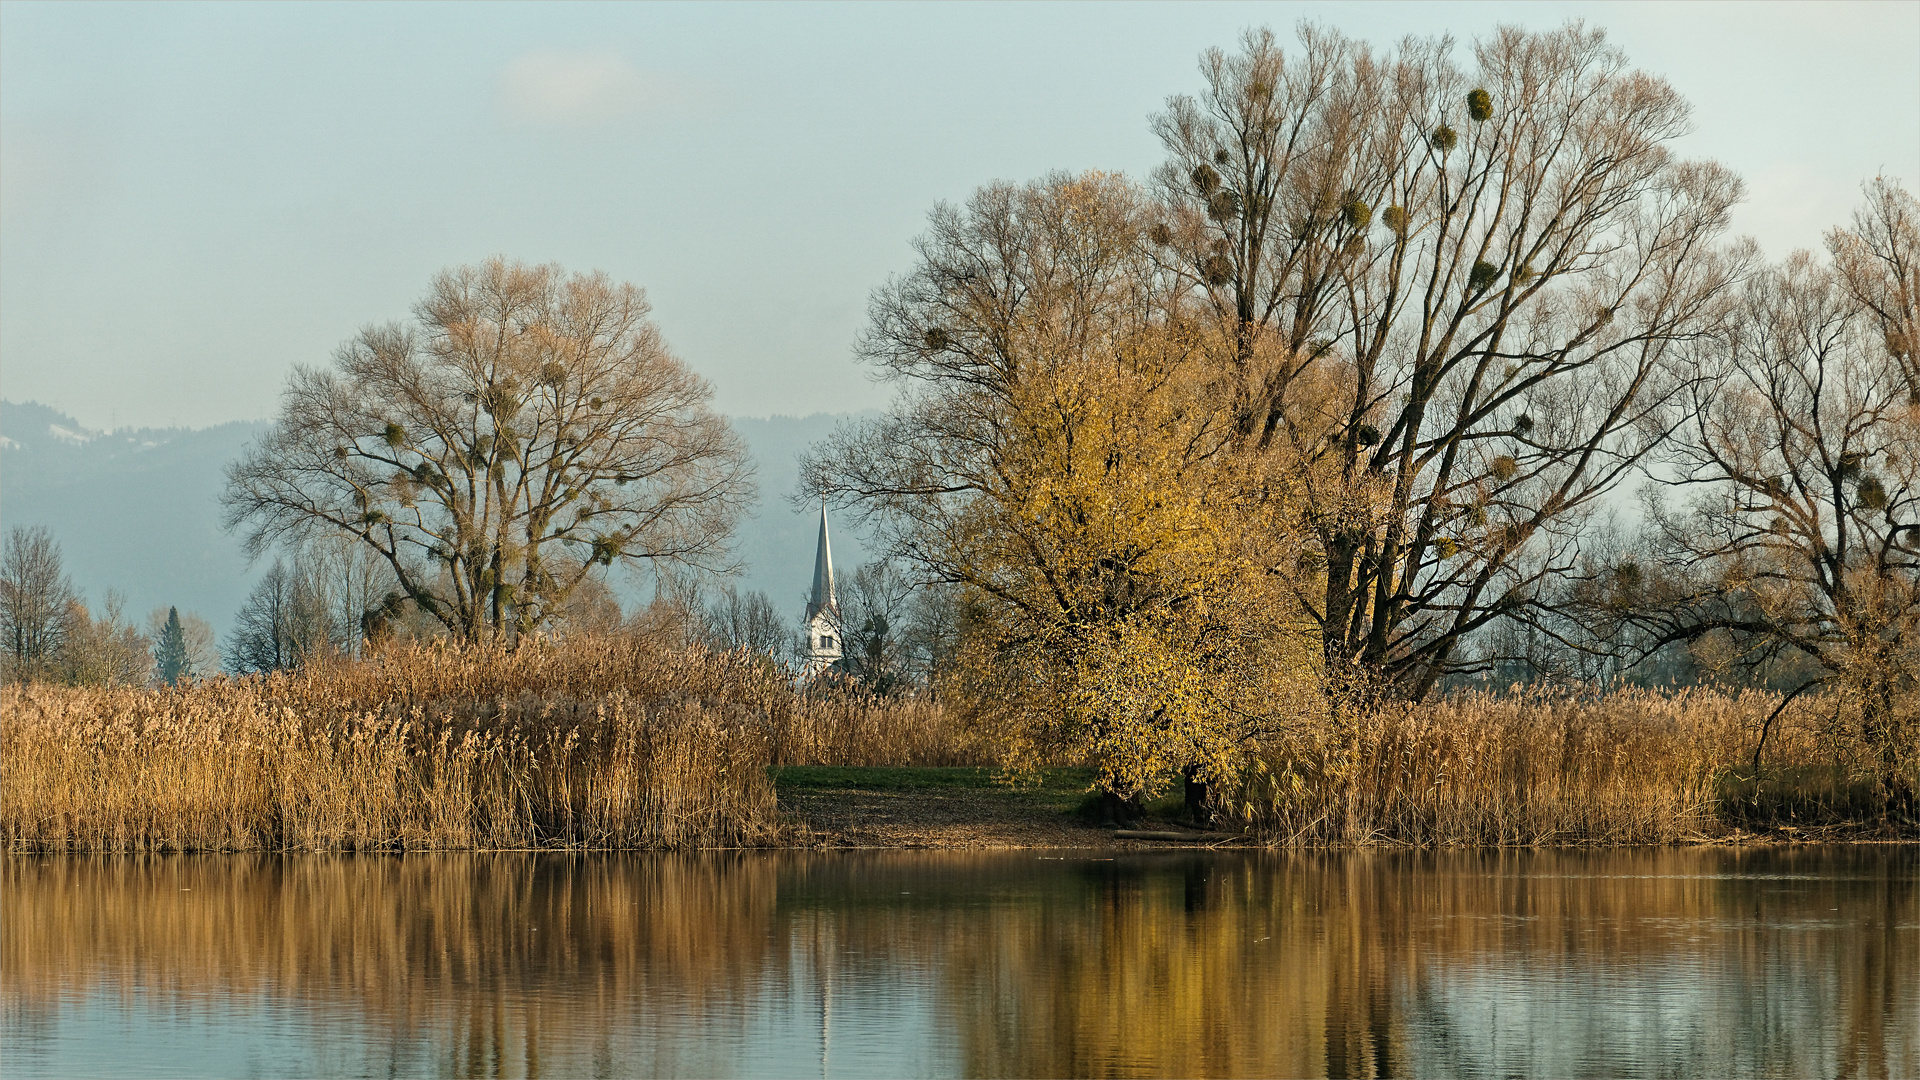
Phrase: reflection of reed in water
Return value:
(1802, 962)
(460, 964)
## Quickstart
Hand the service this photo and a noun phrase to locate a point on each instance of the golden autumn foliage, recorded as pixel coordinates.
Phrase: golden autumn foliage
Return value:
(1056, 455)
(1132, 626)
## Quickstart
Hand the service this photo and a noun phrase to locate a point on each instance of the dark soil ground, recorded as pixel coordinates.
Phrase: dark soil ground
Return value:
(832, 807)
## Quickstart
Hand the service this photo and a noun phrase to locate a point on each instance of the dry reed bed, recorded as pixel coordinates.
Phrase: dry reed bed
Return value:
(118, 770)
(609, 743)
(601, 743)
(836, 727)
(1633, 767)
(423, 748)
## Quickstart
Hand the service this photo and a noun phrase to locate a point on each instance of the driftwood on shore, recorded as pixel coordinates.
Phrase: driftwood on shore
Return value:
(1178, 837)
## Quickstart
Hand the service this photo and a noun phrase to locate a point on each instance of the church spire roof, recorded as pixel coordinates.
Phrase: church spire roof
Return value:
(823, 598)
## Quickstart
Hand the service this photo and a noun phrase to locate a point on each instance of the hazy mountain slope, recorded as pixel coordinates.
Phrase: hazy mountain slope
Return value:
(138, 510)
(133, 510)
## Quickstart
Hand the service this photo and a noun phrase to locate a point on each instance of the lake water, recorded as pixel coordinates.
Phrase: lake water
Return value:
(1686, 962)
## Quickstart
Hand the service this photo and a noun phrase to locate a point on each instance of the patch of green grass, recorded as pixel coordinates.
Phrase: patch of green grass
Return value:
(1168, 806)
(1059, 789)
(862, 778)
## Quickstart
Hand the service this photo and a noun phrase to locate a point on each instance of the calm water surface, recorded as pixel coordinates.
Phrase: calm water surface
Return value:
(1802, 962)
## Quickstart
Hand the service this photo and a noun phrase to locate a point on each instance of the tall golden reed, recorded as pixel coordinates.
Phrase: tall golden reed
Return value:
(605, 742)
(601, 746)
(1536, 769)
(847, 727)
(612, 743)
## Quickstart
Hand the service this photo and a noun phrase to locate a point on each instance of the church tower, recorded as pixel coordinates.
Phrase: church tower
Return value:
(822, 646)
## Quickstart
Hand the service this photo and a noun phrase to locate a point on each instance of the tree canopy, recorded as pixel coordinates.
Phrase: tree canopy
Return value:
(525, 429)
(1053, 453)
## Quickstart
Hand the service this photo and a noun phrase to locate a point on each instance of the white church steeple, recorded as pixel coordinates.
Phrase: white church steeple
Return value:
(822, 646)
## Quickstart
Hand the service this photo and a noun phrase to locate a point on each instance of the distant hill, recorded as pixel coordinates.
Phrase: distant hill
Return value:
(138, 511)
(135, 510)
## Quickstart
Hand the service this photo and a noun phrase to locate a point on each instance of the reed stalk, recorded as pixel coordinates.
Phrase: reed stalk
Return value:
(1542, 768)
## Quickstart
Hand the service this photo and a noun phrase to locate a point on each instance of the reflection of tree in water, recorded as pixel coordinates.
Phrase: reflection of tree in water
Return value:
(1880, 1015)
(1798, 961)
(1721, 962)
(443, 965)
(1189, 965)
(1454, 964)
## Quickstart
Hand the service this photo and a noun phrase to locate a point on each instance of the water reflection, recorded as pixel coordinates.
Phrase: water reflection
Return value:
(1780, 962)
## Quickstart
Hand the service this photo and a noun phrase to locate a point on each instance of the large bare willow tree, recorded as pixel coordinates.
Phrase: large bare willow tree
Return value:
(1456, 297)
(527, 427)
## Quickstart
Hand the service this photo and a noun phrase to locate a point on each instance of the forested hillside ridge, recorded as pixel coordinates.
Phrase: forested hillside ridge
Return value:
(135, 511)
(1277, 479)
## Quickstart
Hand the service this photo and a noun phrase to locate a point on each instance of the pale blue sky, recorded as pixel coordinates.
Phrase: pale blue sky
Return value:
(194, 198)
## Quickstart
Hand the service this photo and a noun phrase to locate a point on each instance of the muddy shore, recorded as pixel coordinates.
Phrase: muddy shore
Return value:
(969, 809)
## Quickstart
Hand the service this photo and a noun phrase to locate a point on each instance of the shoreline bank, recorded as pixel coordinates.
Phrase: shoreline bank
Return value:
(831, 808)
(616, 748)
(966, 808)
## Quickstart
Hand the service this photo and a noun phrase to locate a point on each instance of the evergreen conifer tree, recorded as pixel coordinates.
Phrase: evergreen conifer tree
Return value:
(170, 657)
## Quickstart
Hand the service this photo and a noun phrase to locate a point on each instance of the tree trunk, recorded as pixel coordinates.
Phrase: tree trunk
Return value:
(1879, 727)
(1115, 810)
(1198, 808)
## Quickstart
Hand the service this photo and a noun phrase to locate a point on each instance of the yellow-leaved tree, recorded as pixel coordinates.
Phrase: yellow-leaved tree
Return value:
(1054, 453)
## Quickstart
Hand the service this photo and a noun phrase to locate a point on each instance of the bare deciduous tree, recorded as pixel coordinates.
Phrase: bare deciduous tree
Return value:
(528, 427)
(1455, 299)
(749, 621)
(1878, 261)
(876, 609)
(592, 608)
(34, 597)
(108, 650)
(933, 633)
(353, 587)
(285, 622)
(1801, 440)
